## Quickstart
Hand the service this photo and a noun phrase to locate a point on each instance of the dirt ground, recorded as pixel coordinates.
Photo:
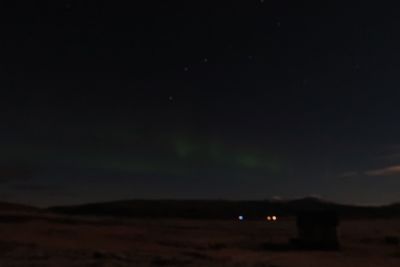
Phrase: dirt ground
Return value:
(50, 240)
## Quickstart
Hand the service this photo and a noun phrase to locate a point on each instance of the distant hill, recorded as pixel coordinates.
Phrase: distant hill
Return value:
(221, 209)
(12, 207)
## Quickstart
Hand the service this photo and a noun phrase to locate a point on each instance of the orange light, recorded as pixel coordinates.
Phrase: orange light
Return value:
(269, 218)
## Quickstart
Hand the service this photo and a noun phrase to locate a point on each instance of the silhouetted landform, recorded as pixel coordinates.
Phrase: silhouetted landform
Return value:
(221, 209)
(12, 207)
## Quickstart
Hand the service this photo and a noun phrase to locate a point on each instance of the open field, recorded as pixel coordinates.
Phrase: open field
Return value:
(53, 240)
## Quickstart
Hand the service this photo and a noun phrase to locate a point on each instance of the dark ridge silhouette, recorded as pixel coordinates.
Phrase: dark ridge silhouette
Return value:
(13, 207)
(223, 209)
(17, 213)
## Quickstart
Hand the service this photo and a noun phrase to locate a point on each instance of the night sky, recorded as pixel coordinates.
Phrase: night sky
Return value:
(238, 99)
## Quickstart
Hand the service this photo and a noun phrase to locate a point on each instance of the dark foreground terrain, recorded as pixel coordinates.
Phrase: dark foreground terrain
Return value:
(43, 239)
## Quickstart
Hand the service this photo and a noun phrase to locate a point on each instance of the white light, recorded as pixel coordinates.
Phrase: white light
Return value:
(274, 218)
(268, 218)
(241, 218)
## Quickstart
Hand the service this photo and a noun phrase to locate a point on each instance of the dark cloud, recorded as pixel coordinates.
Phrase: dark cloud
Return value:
(385, 171)
(388, 171)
